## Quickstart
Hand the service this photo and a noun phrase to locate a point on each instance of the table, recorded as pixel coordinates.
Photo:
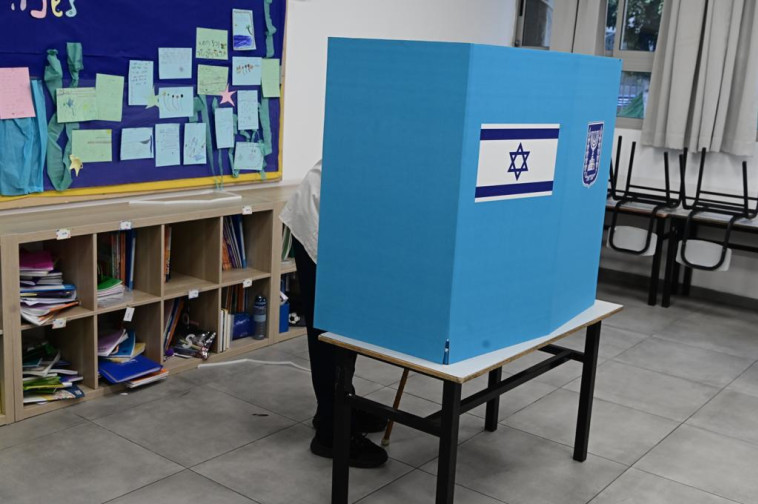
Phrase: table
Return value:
(444, 424)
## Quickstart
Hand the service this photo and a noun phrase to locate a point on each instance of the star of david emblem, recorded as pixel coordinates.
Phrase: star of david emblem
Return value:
(524, 155)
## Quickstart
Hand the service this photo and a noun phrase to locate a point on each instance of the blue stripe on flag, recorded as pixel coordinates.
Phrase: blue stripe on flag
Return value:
(511, 189)
(520, 134)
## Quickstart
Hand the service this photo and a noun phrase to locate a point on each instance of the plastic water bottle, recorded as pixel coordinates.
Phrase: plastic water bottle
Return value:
(259, 318)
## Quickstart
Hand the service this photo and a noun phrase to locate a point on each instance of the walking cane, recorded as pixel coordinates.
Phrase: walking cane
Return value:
(395, 405)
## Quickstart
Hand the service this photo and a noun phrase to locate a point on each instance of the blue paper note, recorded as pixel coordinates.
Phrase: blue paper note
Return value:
(137, 143)
(167, 145)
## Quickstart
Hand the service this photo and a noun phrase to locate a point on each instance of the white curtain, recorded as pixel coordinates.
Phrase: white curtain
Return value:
(579, 26)
(704, 86)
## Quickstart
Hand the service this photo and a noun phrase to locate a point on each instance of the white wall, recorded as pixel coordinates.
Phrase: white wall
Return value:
(723, 173)
(311, 22)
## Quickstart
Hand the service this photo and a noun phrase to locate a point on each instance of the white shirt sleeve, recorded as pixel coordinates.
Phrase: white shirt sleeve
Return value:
(301, 212)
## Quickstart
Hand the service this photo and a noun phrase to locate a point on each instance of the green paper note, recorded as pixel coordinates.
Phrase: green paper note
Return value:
(212, 44)
(212, 80)
(76, 105)
(270, 78)
(93, 146)
(110, 97)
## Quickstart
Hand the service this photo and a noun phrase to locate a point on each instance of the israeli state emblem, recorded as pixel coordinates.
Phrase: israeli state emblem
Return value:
(592, 152)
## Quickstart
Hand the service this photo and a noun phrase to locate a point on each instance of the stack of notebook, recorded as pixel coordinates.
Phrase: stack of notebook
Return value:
(233, 251)
(115, 257)
(46, 377)
(121, 359)
(109, 290)
(43, 294)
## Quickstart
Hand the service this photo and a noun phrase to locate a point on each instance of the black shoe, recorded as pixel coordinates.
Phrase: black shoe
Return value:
(365, 423)
(363, 453)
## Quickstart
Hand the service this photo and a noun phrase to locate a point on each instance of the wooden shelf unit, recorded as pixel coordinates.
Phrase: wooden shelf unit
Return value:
(197, 238)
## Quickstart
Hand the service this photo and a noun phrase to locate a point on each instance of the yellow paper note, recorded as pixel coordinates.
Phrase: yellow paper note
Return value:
(110, 97)
(77, 104)
(93, 146)
(270, 78)
(212, 44)
(212, 80)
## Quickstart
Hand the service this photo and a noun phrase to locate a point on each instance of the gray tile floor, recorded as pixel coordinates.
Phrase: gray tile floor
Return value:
(675, 421)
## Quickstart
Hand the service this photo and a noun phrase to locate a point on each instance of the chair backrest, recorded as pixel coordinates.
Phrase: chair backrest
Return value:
(650, 194)
(738, 203)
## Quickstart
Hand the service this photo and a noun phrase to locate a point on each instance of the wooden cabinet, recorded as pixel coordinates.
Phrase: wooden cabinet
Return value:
(196, 273)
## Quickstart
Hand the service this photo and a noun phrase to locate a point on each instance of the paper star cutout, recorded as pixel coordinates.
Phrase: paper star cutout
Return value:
(226, 96)
(524, 155)
(152, 100)
(76, 164)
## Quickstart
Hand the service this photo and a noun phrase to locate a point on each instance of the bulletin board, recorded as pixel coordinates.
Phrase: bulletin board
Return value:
(114, 32)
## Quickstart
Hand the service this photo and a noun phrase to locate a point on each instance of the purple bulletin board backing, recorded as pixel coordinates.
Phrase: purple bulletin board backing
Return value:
(113, 32)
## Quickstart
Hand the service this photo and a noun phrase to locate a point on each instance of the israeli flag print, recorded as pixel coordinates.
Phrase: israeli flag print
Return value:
(516, 161)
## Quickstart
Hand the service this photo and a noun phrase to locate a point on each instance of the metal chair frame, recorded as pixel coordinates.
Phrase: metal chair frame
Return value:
(738, 206)
(637, 193)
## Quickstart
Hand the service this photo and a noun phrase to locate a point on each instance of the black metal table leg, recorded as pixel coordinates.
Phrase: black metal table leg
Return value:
(655, 272)
(341, 447)
(451, 413)
(493, 406)
(587, 390)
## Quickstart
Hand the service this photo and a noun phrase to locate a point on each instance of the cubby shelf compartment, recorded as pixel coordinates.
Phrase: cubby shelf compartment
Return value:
(77, 343)
(146, 322)
(194, 256)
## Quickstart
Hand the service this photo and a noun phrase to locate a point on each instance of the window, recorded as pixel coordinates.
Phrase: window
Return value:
(631, 34)
(535, 23)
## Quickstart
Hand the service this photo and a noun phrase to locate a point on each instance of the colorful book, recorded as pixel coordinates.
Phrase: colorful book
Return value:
(119, 372)
(108, 342)
(72, 392)
(167, 252)
(126, 347)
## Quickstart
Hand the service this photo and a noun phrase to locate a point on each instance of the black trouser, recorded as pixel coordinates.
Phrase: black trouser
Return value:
(323, 356)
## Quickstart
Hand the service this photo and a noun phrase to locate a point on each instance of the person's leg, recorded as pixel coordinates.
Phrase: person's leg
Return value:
(322, 355)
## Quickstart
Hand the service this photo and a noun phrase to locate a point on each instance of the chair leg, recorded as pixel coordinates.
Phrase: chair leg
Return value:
(687, 281)
(655, 272)
(668, 279)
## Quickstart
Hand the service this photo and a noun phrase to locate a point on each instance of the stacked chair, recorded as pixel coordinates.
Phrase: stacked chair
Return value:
(706, 209)
(642, 200)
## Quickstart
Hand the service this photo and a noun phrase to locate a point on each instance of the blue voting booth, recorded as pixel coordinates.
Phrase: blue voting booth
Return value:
(463, 193)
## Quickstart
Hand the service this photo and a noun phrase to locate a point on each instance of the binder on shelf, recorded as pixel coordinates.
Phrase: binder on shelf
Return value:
(167, 253)
(119, 372)
(233, 252)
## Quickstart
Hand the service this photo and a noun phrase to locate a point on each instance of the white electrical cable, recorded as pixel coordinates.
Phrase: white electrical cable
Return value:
(271, 363)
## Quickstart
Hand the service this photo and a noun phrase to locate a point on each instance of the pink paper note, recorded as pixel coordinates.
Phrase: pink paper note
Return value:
(15, 94)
